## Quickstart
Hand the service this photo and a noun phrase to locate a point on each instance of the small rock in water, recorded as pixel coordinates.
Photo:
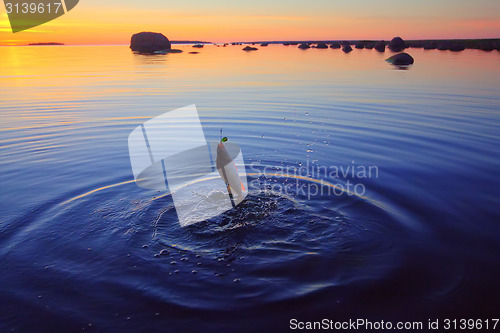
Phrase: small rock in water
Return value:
(486, 46)
(236, 280)
(164, 252)
(194, 272)
(144, 246)
(457, 47)
(249, 48)
(173, 263)
(346, 48)
(401, 59)
(397, 44)
(184, 259)
(369, 45)
(429, 45)
(380, 46)
(445, 45)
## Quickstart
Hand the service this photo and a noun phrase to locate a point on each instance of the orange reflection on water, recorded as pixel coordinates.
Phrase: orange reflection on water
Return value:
(56, 84)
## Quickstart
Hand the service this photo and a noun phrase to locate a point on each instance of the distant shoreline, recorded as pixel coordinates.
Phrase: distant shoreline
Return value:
(314, 41)
(44, 44)
(189, 42)
(468, 42)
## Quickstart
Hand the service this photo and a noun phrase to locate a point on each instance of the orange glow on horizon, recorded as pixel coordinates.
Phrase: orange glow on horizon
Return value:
(86, 26)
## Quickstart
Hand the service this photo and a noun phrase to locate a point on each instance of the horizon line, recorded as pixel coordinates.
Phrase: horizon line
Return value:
(187, 42)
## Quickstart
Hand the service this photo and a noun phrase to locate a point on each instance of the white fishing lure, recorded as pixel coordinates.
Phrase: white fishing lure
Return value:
(229, 174)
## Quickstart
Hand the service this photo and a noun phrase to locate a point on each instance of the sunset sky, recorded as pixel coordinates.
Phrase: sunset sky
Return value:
(114, 21)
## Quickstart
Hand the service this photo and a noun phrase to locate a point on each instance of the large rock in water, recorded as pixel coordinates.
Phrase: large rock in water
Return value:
(149, 42)
(304, 46)
(380, 46)
(335, 45)
(397, 44)
(401, 59)
(321, 45)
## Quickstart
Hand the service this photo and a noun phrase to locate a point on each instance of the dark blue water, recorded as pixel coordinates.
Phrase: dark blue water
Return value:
(83, 248)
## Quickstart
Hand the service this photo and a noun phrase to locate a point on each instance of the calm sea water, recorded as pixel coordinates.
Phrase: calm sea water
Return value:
(80, 243)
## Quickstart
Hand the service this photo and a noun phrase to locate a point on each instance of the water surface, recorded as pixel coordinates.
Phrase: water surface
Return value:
(81, 245)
